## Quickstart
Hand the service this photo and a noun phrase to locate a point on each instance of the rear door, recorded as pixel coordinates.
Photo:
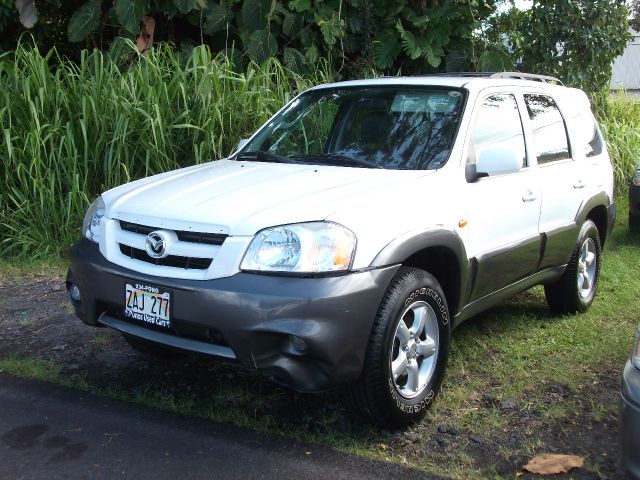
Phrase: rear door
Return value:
(501, 235)
(563, 183)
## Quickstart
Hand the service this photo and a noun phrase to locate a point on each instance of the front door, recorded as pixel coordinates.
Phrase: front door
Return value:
(503, 210)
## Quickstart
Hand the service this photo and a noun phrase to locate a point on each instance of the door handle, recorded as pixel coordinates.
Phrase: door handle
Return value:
(529, 196)
(579, 183)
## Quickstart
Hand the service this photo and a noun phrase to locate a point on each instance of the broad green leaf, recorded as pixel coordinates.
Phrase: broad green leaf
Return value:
(311, 54)
(295, 60)
(433, 59)
(331, 28)
(494, 61)
(129, 13)
(262, 45)
(84, 21)
(410, 43)
(299, 5)
(167, 7)
(307, 36)
(386, 49)
(185, 6)
(255, 13)
(217, 18)
(292, 24)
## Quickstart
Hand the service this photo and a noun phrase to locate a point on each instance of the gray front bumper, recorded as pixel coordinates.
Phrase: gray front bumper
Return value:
(249, 318)
(630, 420)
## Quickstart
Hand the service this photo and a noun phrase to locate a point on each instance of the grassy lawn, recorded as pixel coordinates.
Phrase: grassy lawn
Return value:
(520, 381)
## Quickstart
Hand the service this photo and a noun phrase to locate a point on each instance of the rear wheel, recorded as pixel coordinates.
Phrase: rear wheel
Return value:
(576, 289)
(407, 352)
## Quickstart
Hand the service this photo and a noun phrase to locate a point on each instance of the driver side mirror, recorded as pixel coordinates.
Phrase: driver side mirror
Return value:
(498, 161)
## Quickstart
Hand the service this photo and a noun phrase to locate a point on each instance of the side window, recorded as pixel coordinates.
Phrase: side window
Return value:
(588, 134)
(549, 131)
(498, 125)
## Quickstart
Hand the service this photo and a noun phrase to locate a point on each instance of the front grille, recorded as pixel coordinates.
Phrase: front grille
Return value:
(195, 263)
(183, 235)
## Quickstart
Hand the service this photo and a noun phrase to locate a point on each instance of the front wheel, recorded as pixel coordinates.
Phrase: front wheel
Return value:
(576, 289)
(407, 352)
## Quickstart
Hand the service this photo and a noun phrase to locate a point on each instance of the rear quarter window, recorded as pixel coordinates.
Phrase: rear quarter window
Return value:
(587, 133)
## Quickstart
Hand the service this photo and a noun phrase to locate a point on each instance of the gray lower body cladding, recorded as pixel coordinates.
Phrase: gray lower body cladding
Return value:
(249, 318)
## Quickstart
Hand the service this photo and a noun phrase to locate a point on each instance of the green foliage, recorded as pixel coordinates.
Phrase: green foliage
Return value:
(129, 13)
(634, 22)
(255, 14)
(69, 131)
(619, 118)
(261, 46)
(506, 30)
(494, 60)
(358, 35)
(84, 21)
(7, 14)
(576, 40)
(217, 18)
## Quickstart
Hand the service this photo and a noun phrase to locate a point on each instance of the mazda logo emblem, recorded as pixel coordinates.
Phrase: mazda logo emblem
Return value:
(156, 245)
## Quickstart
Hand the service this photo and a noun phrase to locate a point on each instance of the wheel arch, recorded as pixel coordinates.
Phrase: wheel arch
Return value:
(597, 209)
(440, 252)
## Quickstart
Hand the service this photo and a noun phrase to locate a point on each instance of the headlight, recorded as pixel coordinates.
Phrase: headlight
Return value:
(636, 178)
(635, 355)
(312, 247)
(91, 224)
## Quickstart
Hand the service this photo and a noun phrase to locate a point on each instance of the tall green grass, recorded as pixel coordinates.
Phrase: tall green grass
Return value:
(69, 131)
(619, 119)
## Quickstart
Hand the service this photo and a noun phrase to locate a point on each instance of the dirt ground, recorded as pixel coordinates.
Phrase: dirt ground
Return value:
(36, 320)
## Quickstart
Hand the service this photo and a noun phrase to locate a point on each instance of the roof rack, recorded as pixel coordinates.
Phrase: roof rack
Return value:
(506, 75)
(528, 76)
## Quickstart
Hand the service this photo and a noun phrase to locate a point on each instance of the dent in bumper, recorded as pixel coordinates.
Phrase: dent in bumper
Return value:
(257, 315)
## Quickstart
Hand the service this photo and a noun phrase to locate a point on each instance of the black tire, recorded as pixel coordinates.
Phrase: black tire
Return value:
(564, 295)
(376, 396)
(152, 349)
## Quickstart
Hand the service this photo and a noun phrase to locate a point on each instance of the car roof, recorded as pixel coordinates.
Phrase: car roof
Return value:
(470, 82)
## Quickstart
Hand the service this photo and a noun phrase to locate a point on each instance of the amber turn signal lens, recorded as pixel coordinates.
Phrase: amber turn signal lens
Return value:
(462, 223)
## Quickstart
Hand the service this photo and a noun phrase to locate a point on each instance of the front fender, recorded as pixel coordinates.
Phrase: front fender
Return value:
(403, 247)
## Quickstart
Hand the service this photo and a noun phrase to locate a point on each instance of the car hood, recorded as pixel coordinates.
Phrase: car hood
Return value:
(242, 197)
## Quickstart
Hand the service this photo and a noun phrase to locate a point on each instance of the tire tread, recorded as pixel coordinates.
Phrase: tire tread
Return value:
(366, 396)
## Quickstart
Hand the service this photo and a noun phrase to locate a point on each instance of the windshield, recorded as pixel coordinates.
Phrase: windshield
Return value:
(403, 128)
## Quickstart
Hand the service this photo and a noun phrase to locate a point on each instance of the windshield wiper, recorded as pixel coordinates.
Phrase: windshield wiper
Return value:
(262, 156)
(335, 159)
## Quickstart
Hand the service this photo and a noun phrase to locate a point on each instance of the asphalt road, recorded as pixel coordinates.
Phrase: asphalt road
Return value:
(50, 432)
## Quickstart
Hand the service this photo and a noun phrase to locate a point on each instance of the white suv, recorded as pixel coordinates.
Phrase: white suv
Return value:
(347, 237)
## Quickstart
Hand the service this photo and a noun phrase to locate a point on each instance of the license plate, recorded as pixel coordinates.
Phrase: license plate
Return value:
(147, 304)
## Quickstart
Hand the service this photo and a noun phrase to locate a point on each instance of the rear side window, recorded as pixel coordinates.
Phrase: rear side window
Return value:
(498, 126)
(549, 131)
(588, 134)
